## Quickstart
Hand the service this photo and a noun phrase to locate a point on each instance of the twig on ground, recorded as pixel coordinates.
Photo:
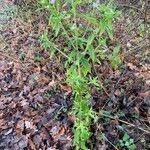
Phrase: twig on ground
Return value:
(109, 141)
(130, 6)
(125, 122)
(4, 54)
(10, 57)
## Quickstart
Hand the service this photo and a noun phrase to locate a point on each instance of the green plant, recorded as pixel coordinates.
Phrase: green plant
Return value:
(22, 56)
(82, 46)
(115, 58)
(49, 93)
(38, 58)
(127, 142)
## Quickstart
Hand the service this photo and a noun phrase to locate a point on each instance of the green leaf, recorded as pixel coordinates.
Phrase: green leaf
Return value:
(115, 58)
(110, 31)
(55, 21)
(92, 53)
(121, 143)
(102, 26)
(86, 67)
(102, 42)
(90, 18)
(131, 141)
(132, 147)
(116, 61)
(90, 41)
(126, 137)
(44, 2)
(94, 81)
(45, 40)
(127, 143)
(116, 50)
(72, 56)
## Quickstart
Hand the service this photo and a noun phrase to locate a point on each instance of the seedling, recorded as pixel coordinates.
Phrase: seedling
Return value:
(38, 58)
(115, 58)
(84, 45)
(127, 142)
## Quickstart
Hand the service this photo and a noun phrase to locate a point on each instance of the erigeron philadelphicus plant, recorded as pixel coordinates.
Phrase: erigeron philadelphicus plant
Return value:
(85, 44)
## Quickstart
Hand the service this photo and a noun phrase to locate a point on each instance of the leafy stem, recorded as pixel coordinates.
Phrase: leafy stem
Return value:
(83, 47)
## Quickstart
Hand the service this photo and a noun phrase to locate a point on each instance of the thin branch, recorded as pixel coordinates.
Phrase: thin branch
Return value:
(10, 57)
(130, 6)
(109, 141)
(125, 122)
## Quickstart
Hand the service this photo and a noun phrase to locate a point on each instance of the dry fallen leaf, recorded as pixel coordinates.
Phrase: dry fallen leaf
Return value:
(117, 92)
(24, 103)
(31, 145)
(26, 89)
(43, 80)
(37, 69)
(131, 66)
(145, 74)
(19, 76)
(20, 127)
(148, 82)
(144, 94)
(2, 123)
(66, 88)
(52, 83)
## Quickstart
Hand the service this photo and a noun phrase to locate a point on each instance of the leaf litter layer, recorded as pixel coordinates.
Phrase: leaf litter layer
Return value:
(35, 100)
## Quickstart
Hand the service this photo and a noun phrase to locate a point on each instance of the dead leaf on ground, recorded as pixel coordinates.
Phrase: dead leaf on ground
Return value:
(132, 66)
(52, 83)
(66, 88)
(144, 94)
(31, 145)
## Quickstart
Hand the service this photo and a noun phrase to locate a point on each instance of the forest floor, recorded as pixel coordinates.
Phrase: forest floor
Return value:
(35, 101)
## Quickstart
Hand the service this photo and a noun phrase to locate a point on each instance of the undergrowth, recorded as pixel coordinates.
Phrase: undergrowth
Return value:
(80, 31)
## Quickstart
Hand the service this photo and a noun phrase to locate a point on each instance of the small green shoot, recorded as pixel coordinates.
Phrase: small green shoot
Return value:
(115, 58)
(38, 58)
(127, 142)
